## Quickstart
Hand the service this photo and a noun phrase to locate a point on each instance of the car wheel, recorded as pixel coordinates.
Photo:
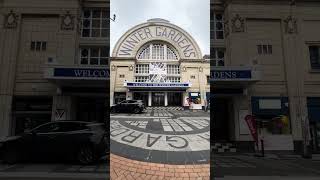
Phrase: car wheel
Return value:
(11, 156)
(113, 110)
(136, 110)
(86, 155)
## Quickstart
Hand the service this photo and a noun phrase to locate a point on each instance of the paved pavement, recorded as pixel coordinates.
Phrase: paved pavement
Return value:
(48, 171)
(160, 144)
(271, 167)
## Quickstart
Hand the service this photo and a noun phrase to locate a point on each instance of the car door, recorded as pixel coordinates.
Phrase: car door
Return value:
(68, 140)
(123, 105)
(45, 140)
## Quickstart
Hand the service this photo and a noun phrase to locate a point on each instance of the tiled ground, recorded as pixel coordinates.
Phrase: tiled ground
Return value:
(126, 169)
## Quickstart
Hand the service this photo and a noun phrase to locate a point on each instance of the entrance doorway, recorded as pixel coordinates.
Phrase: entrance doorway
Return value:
(141, 96)
(158, 98)
(315, 136)
(92, 109)
(174, 98)
(221, 115)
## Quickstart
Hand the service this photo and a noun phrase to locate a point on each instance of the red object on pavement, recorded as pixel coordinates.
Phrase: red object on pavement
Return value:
(251, 122)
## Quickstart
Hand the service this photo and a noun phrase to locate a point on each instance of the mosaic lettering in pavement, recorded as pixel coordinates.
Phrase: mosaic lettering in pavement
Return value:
(163, 134)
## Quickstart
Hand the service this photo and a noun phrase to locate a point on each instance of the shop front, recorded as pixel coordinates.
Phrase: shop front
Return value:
(82, 93)
(230, 103)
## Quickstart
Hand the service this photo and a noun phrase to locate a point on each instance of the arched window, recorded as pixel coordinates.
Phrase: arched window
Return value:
(157, 51)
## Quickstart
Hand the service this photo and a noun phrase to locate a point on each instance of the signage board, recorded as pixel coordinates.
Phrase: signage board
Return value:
(251, 122)
(230, 74)
(146, 34)
(82, 73)
(144, 84)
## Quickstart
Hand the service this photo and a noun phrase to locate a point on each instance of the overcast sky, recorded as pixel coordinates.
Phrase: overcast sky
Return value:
(191, 15)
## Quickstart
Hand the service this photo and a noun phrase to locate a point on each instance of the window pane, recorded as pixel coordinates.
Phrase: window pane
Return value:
(95, 32)
(105, 14)
(94, 61)
(96, 23)
(104, 32)
(85, 32)
(94, 52)
(270, 49)
(96, 14)
(314, 56)
(105, 23)
(259, 49)
(84, 52)
(265, 49)
(33, 45)
(44, 46)
(87, 14)
(104, 61)
(38, 46)
(104, 52)
(86, 23)
(84, 61)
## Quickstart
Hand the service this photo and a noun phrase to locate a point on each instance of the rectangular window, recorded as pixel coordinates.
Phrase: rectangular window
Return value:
(173, 79)
(95, 22)
(94, 55)
(121, 76)
(217, 56)
(314, 52)
(141, 78)
(208, 79)
(193, 77)
(264, 49)
(142, 69)
(217, 24)
(173, 69)
(38, 46)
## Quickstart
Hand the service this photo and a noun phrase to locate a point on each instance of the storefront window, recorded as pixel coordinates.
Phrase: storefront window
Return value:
(194, 97)
(272, 114)
(30, 112)
(276, 125)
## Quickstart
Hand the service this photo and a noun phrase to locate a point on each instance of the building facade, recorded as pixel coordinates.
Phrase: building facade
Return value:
(265, 62)
(53, 62)
(161, 64)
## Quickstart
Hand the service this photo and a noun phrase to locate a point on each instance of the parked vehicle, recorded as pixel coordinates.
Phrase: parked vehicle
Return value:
(134, 106)
(85, 142)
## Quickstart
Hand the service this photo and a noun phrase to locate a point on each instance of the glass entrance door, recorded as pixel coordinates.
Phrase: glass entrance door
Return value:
(157, 98)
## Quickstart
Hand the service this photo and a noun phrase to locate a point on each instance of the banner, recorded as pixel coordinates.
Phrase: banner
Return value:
(251, 122)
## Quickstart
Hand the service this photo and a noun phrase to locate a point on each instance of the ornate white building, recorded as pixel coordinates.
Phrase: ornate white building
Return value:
(161, 64)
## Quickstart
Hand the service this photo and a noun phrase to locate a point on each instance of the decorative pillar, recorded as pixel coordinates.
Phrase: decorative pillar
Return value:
(150, 99)
(165, 98)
